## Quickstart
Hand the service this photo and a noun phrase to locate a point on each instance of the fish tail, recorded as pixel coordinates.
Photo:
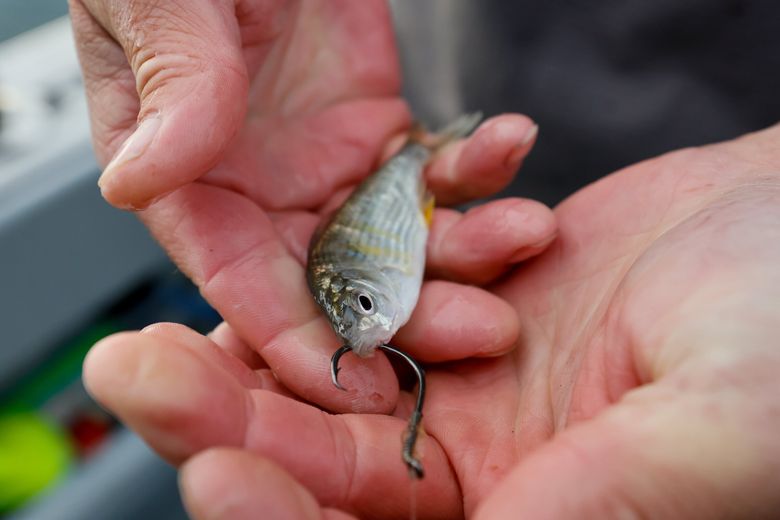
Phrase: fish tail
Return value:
(460, 127)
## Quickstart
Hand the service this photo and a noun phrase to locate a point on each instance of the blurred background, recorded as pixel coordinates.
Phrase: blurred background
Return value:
(609, 83)
(72, 270)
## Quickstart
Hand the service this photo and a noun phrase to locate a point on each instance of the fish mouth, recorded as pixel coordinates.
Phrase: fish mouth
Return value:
(369, 341)
(365, 339)
(363, 334)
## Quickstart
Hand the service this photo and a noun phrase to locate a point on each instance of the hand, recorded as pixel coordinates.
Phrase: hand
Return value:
(644, 383)
(243, 123)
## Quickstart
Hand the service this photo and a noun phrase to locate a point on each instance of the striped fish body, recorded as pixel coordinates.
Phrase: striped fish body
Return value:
(366, 265)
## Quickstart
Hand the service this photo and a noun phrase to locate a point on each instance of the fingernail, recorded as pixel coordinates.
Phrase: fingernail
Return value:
(525, 252)
(521, 150)
(133, 147)
(530, 135)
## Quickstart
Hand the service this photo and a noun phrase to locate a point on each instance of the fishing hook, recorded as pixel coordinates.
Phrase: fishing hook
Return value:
(413, 429)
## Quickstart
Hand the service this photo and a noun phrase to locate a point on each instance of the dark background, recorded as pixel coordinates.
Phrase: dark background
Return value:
(609, 82)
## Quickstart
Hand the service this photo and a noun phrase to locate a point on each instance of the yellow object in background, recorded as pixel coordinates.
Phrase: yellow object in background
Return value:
(34, 453)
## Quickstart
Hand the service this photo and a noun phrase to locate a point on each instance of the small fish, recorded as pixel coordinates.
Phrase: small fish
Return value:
(366, 265)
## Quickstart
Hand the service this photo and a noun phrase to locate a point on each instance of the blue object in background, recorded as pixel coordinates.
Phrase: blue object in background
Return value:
(18, 16)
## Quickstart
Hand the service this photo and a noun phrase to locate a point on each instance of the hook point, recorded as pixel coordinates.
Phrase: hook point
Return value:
(334, 366)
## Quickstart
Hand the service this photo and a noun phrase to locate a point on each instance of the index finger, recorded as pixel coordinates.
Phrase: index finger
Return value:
(483, 163)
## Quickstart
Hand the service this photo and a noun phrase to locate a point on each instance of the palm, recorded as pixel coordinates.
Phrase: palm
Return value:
(320, 106)
(663, 262)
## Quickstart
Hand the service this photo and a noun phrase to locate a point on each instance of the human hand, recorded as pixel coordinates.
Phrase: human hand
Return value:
(256, 118)
(644, 383)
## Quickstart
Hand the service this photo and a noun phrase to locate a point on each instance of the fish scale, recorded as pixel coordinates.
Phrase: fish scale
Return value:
(382, 222)
(366, 264)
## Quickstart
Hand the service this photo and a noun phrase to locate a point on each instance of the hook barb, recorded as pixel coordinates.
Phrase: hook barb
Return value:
(334, 366)
(413, 428)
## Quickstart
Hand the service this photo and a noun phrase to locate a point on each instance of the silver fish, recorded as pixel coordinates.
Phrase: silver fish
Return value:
(365, 267)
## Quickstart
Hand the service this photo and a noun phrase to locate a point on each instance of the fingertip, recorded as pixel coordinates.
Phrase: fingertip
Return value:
(234, 356)
(482, 244)
(453, 321)
(225, 483)
(498, 326)
(101, 368)
(531, 224)
(168, 393)
(485, 162)
(496, 150)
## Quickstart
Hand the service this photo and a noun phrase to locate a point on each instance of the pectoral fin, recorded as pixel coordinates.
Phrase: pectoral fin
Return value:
(427, 205)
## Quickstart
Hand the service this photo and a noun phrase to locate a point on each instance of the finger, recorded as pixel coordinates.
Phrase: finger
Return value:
(226, 338)
(182, 404)
(230, 249)
(453, 321)
(208, 350)
(480, 245)
(232, 484)
(191, 91)
(142, 379)
(663, 452)
(108, 80)
(157, 380)
(484, 163)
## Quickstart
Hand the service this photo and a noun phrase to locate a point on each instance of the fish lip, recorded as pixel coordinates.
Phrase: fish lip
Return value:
(364, 341)
(382, 330)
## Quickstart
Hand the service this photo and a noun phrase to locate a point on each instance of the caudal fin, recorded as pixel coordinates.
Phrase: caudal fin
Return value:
(460, 127)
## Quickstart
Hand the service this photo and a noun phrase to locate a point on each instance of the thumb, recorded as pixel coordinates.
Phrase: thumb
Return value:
(660, 453)
(167, 90)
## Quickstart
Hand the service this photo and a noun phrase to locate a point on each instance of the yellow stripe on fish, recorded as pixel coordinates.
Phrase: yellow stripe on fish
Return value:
(428, 205)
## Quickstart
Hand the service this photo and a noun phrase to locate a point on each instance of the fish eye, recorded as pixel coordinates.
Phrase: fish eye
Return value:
(365, 304)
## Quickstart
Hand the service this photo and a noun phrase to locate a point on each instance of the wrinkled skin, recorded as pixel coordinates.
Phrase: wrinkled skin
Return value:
(650, 352)
(643, 382)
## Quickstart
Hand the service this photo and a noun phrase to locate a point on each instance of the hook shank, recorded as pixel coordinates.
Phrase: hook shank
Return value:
(413, 429)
